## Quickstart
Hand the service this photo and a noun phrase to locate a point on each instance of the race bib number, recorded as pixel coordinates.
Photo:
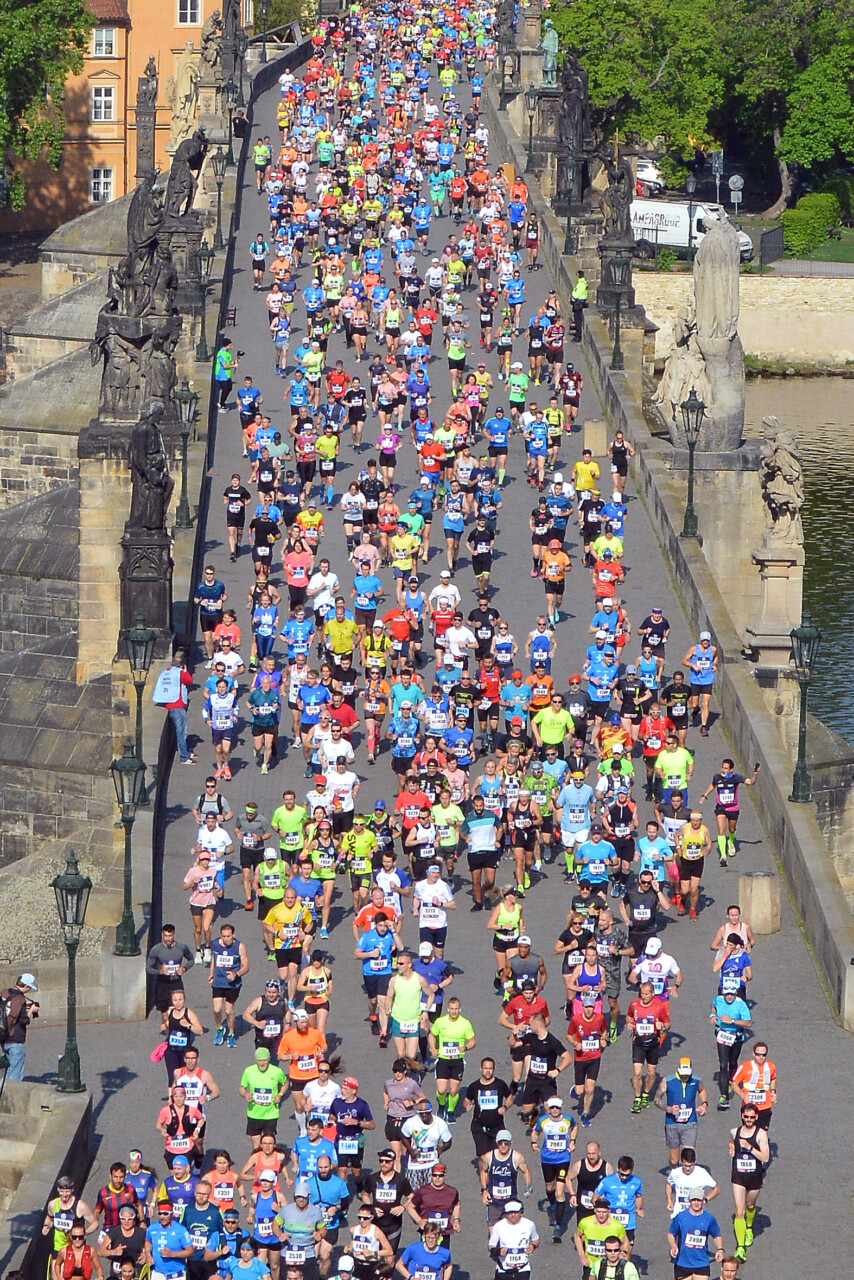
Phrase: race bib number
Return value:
(645, 1027)
(725, 1037)
(348, 1146)
(409, 1027)
(378, 963)
(199, 1239)
(264, 1228)
(262, 1097)
(622, 1215)
(385, 1195)
(642, 913)
(179, 1143)
(430, 914)
(555, 1144)
(451, 1051)
(306, 1063)
(695, 1240)
(589, 1044)
(745, 1164)
(683, 1115)
(516, 1259)
(295, 1256)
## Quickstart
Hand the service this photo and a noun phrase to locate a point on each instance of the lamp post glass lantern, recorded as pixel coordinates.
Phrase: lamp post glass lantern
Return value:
(693, 412)
(205, 256)
(230, 104)
(219, 162)
(139, 645)
(71, 890)
(129, 780)
(620, 266)
(531, 98)
(264, 10)
(186, 399)
(806, 643)
(690, 187)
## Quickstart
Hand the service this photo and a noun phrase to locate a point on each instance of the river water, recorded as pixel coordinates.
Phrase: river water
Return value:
(819, 412)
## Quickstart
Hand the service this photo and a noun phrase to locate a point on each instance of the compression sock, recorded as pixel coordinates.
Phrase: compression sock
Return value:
(739, 1226)
(453, 1099)
(570, 861)
(501, 474)
(749, 1215)
(442, 1099)
(722, 846)
(550, 1196)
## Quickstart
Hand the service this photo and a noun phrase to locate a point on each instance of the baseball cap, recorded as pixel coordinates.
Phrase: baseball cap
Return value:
(554, 1102)
(440, 1168)
(705, 635)
(302, 1189)
(601, 635)
(653, 947)
(515, 719)
(617, 748)
(27, 980)
(554, 542)
(179, 1160)
(379, 804)
(558, 477)
(504, 1135)
(300, 1015)
(262, 1055)
(270, 853)
(267, 1175)
(631, 669)
(684, 1068)
(446, 573)
(607, 554)
(523, 940)
(588, 997)
(346, 1263)
(319, 779)
(529, 985)
(424, 948)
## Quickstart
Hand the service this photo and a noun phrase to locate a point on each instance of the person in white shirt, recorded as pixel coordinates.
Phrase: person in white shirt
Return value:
(514, 1239)
(425, 1137)
(430, 898)
(323, 587)
(460, 640)
(321, 1093)
(657, 967)
(688, 1176)
(446, 588)
(333, 748)
(344, 785)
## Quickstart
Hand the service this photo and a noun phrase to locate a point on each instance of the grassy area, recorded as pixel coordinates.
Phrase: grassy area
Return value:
(841, 250)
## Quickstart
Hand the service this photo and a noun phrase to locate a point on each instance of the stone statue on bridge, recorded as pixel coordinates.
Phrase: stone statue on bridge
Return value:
(549, 44)
(782, 480)
(152, 483)
(211, 42)
(716, 280)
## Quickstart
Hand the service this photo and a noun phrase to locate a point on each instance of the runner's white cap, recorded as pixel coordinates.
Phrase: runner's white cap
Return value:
(705, 635)
(554, 1102)
(653, 947)
(504, 1135)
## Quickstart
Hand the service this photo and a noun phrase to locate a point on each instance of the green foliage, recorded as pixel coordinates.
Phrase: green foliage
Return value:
(808, 225)
(41, 43)
(667, 258)
(284, 11)
(842, 186)
(819, 113)
(651, 73)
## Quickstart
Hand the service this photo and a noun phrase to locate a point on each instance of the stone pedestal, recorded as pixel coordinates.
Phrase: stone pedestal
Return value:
(631, 315)
(184, 236)
(759, 899)
(211, 114)
(146, 584)
(531, 27)
(146, 117)
(530, 71)
(104, 503)
(781, 571)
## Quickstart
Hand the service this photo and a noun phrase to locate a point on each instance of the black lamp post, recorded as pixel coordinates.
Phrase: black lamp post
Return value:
(505, 44)
(242, 44)
(204, 257)
(219, 162)
(72, 898)
(621, 265)
(264, 10)
(129, 780)
(531, 99)
(230, 104)
(571, 165)
(806, 642)
(693, 412)
(690, 187)
(186, 399)
(139, 644)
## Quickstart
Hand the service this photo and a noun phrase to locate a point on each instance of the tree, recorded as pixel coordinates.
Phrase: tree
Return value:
(651, 72)
(41, 43)
(790, 63)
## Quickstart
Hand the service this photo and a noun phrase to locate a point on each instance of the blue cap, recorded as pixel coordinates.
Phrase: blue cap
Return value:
(379, 804)
(179, 1160)
(614, 719)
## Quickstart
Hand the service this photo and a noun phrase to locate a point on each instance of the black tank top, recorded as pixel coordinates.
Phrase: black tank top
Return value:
(272, 1014)
(619, 453)
(588, 1180)
(746, 1162)
(502, 1178)
(178, 1036)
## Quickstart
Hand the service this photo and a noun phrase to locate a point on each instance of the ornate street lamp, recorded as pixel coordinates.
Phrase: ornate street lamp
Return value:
(72, 898)
(230, 104)
(264, 10)
(571, 165)
(505, 44)
(241, 45)
(621, 266)
(691, 187)
(531, 99)
(806, 642)
(693, 412)
(129, 780)
(204, 256)
(219, 161)
(139, 645)
(186, 399)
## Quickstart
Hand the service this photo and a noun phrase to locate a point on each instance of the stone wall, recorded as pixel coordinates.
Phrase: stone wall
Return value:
(781, 317)
(35, 462)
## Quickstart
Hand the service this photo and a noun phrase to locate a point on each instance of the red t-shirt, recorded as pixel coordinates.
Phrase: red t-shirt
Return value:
(654, 731)
(409, 805)
(522, 1010)
(345, 716)
(645, 1016)
(588, 1032)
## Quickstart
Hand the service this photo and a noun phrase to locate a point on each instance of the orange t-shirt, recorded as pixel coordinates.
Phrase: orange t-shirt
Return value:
(555, 565)
(308, 1046)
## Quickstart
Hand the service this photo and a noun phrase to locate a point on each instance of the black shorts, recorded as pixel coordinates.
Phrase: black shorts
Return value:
(555, 1172)
(525, 839)
(393, 1129)
(554, 355)
(503, 945)
(207, 621)
(497, 450)
(722, 812)
(256, 1127)
(554, 586)
(288, 955)
(229, 994)
(538, 1089)
(436, 937)
(750, 1181)
(402, 764)
(648, 1053)
(519, 1052)
(680, 1273)
(450, 1069)
(219, 736)
(457, 364)
(690, 868)
(375, 984)
(697, 689)
(588, 1069)
(483, 861)
(235, 520)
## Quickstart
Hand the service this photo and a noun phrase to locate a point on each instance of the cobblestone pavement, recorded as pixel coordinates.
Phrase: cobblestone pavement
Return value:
(806, 1199)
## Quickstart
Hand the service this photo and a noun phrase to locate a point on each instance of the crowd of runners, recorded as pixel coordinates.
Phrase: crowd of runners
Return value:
(517, 769)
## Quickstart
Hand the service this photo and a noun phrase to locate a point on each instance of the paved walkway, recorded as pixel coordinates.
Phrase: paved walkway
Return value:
(813, 1172)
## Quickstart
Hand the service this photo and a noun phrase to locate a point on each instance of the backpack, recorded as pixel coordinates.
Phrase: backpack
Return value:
(7, 1018)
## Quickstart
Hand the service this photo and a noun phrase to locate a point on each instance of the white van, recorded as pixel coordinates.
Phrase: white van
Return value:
(664, 223)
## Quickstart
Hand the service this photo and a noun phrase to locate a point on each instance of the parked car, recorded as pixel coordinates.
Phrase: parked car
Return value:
(649, 180)
(664, 223)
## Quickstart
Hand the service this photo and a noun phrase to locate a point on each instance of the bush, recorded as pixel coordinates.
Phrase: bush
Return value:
(810, 223)
(841, 185)
(666, 258)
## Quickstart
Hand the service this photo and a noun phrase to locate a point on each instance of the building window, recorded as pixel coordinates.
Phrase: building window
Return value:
(189, 14)
(104, 42)
(102, 186)
(248, 13)
(102, 103)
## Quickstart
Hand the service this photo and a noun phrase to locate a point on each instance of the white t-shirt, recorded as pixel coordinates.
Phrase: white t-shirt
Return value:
(515, 1237)
(331, 749)
(431, 913)
(657, 970)
(321, 1097)
(683, 1183)
(425, 1139)
(326, 585)
(458, 640)
(341, 785)
(449, 590)
(216, 842)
